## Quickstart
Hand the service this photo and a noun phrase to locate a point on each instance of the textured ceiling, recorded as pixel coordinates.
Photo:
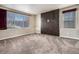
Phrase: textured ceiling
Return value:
(35, 8)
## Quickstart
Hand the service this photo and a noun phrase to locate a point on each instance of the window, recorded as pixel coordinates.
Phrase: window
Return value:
(15, 20)
(69, 19)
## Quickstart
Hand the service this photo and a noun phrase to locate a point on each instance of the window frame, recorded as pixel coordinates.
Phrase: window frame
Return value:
(8, 27)
(70, 10)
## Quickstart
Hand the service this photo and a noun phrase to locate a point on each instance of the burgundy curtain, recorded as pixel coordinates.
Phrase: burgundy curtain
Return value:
(3, 19)
(69, 10)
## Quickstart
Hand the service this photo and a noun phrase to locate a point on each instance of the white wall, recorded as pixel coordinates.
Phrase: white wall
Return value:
(9, 33)
(35, 23)
(64, 32)
(69, 32)
(38, 23)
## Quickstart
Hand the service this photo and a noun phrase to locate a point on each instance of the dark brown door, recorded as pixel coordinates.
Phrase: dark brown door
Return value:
(3, 18)
(50, 23)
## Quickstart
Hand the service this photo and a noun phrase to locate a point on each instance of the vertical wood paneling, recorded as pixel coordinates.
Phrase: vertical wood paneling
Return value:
(51, 27)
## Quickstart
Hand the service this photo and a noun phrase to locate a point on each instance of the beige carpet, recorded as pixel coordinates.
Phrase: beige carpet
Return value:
(39, 44)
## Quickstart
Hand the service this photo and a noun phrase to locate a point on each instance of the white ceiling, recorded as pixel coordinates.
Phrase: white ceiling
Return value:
(36, 8)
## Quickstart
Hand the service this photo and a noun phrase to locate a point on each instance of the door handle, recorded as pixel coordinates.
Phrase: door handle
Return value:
(48, 20)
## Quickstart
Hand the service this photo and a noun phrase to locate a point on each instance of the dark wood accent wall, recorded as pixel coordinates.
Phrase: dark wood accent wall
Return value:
(3, 19)
(50, 22)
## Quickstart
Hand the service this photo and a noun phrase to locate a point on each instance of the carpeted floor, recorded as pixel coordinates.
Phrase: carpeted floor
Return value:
(39, 44)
